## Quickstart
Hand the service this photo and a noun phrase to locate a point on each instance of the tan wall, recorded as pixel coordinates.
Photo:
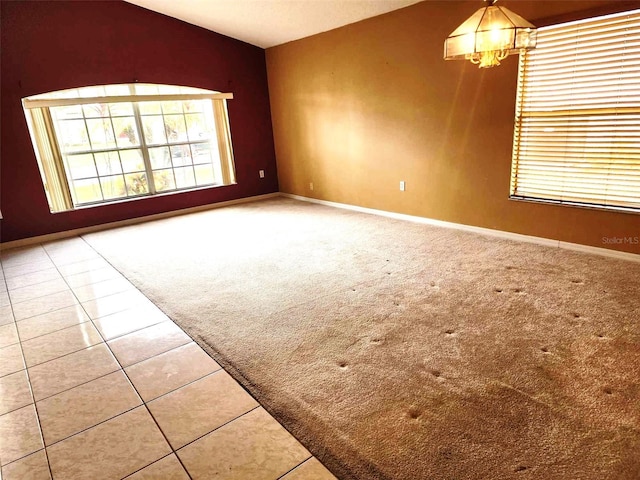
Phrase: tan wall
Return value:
(360, 108)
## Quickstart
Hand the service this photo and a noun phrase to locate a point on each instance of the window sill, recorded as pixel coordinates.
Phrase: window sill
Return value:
(142, 197)
(588, 206)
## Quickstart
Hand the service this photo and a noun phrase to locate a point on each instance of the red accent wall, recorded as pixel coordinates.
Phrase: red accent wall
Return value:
(54, 45)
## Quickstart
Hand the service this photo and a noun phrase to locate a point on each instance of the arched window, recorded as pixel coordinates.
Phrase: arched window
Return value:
(108, 143)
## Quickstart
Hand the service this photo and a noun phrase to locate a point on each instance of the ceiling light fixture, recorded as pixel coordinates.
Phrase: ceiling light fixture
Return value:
(489, 36)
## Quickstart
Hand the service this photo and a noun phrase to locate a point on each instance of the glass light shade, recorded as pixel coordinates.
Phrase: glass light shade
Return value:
(489, 36)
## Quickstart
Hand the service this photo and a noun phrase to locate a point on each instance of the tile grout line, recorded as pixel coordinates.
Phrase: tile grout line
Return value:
(106, 341)
(162, 353)
(155, 461)
(80, 384)
(19, 267)
(23, 263)
(40, 282)
(59, 356)
(177, 388)
(144, 403)
(54, 265)
(34, 285)
(296, 467)
(14, 322)
(103, 340)
(17, 408)
(78, 302)
(121, 367)
(132, 331)
(44, 313)
(56, 331)
(80, 305)
(221, 369)
(99, 423)
(118, 370)
(35, 406)
(26, 369)
(220, 426)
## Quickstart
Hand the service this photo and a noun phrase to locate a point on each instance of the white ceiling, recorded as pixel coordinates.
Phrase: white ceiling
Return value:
(266, 23)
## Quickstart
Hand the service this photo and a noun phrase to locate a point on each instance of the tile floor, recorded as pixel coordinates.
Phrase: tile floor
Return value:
(96, 382)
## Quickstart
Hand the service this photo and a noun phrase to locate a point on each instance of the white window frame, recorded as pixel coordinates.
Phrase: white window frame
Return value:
(577, 124)
(51, 159)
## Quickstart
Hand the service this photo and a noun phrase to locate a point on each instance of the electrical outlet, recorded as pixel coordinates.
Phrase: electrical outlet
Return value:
(402, 186)
(261, 173)
(310, 185)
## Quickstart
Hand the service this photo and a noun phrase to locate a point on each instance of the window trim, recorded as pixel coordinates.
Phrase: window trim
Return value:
(586, 206)
(50, 157)
(29, 103)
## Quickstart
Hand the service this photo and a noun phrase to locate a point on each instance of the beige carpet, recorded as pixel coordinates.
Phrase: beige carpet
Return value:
(396, 350)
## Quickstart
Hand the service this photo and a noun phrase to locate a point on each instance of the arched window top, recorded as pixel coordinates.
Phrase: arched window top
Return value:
(122, 89)
(126, 92)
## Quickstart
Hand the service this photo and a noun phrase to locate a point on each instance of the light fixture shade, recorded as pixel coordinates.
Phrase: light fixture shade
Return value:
(489, 35)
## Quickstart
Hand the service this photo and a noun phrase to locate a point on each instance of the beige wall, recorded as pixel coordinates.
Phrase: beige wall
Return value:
(360, 108)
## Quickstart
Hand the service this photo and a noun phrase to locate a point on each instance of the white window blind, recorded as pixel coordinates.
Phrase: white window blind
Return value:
(577, 129)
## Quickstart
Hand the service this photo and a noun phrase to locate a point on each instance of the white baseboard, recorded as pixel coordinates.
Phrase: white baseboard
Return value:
(132, 221)
(399, 216)
(484, 231)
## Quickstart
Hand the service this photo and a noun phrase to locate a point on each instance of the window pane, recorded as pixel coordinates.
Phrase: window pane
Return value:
(126, 131)
(168, 89)
(72, 111)
(204, 175)
(70, 93)
(159, 158)
(119, 90)
(101, 133)
(175, 127)
(181, 155)
(145, 89)
(123, 109)
(153, 129)
(171, 107)
(136, 183)
(94, 110)
(113, 187)
(87, 190)
(163, 180)
(201, 153)
(73, 135)
(81, 166)
(131, 161)
(108, 163)
(196, 127)
(192, 106)
(185, 177)
(150, 108)
(88, 92)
